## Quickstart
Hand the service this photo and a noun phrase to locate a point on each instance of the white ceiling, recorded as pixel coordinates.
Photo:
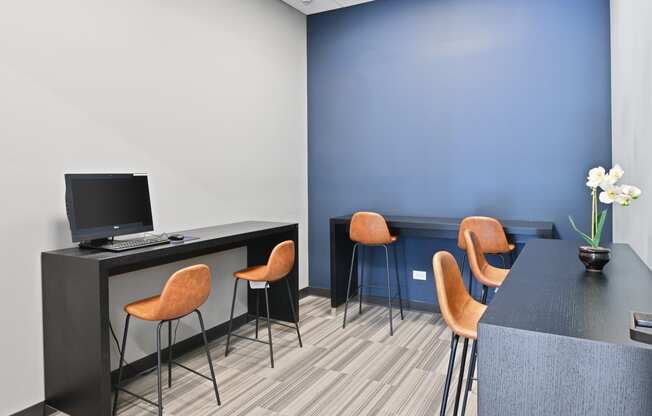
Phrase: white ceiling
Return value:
(318, 6)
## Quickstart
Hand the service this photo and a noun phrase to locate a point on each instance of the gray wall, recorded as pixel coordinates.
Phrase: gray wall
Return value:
(208, 97)
(631, 48)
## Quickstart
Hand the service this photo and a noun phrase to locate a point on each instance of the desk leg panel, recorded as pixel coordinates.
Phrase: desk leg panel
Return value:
(258, 252)
(341, 251)
(75, 336)
(528, 373)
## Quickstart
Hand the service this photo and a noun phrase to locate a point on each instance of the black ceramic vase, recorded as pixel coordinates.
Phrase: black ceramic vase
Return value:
(594, 259)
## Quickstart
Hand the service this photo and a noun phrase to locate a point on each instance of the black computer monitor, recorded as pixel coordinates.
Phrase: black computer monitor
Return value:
(100, 206)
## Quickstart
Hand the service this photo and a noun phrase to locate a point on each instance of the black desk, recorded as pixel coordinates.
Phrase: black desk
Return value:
(431, 227)
(555, 339)
(76, 305)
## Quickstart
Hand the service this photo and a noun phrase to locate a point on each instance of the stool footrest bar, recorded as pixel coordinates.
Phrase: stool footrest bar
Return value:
(249, 338)
(122, 389)
(192, 371)
(282, 324)
(372, 287)
(394, 296)
(274, 321)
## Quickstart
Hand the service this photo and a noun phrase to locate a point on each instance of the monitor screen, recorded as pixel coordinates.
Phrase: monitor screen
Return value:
(106, 205)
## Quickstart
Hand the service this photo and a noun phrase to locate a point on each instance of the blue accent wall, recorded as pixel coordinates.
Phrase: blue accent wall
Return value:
(455, 108)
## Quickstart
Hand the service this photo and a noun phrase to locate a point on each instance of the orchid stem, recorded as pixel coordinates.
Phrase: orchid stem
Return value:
(594, 209)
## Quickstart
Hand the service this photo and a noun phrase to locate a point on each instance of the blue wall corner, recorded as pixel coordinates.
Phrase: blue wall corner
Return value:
(455, 108)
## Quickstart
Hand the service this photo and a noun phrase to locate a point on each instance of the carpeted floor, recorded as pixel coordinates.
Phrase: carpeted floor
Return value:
(357, 371)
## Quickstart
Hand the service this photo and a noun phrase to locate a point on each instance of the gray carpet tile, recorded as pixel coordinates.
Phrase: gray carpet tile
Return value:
(359, 370)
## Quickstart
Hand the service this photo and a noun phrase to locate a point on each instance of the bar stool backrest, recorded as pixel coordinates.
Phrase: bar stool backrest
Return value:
(185, 291)
(369, 228)
(475, 252)
(490, 233)
(281, 261)
(451, 292)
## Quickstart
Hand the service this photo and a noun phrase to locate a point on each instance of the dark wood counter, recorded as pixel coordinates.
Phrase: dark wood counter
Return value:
(429, 227)
(555, 339)
(75, 285)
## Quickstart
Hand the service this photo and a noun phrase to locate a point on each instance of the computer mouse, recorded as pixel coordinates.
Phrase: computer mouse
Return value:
(175, 237)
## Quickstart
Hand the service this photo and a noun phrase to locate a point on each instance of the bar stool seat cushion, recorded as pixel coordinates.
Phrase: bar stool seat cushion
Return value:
(460, 311)
(254, 273)
(486, 274)
(465, 323)
(392, 239)
(185, 291)
(490, 233)
(279, 265)
(145, 309)
(494, 276)
(370, 229)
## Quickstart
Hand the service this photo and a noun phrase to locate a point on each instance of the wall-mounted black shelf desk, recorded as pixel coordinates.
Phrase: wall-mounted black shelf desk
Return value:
(76, 305)
(431, 227)
(555, 340)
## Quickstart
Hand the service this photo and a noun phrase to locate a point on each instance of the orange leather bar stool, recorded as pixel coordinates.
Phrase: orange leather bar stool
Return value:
(488, 275)
(492, 236)
(462, 314)
(183, 293)
(370, 229)
(279, 265)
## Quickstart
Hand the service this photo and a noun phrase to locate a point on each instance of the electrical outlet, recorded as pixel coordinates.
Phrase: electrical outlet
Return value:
(418, 275)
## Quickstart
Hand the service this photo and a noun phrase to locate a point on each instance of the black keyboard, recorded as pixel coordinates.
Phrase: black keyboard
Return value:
(123, 245)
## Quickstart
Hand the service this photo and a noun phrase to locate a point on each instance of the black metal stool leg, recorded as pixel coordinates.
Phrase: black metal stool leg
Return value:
(169, 354)
(228, 337)
(361, 285)
(469, 379)
(294, 314)
(398, 281)
(269, 329)
(122, 359)
(449, 375)
(485, 292)
(460, 379)
(348, 288)
(158, 368)
(208, 355)
(389, 293)
(257, 310)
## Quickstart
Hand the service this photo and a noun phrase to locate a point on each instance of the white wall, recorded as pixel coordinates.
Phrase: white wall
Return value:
(631, 67)
(207, 96)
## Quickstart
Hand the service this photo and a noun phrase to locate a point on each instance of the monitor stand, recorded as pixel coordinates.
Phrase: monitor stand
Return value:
(96, 244)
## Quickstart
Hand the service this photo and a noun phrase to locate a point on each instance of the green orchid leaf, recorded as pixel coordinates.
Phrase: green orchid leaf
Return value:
(600, 225)
(584, 236)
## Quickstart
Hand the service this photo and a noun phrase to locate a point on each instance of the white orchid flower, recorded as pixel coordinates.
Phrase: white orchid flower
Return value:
(623, 199)
(615, 174)
(609, 195)
(631, 191)
(596, 177)
(635, 192)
